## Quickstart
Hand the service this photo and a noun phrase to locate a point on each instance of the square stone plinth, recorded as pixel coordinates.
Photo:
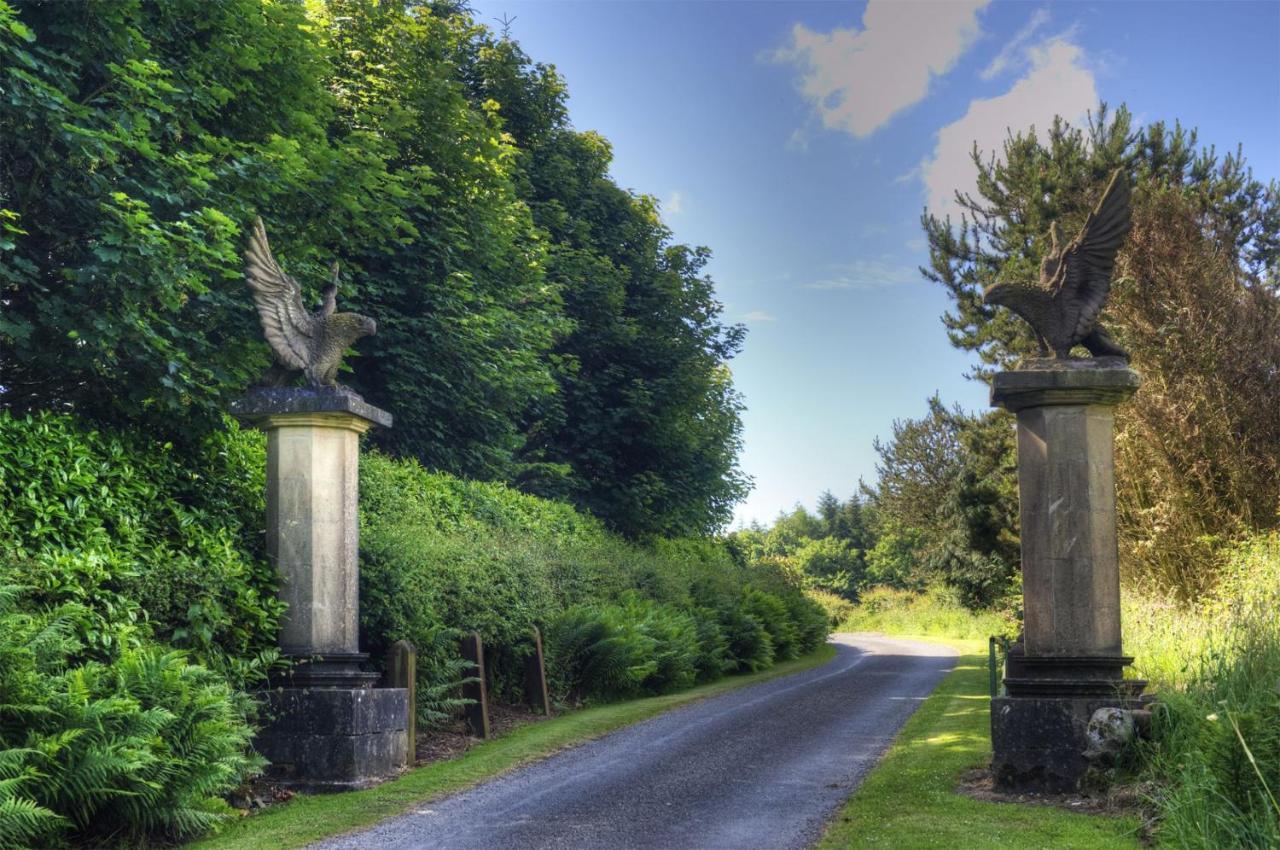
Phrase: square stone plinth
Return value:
(1038, 743)
(334, 739)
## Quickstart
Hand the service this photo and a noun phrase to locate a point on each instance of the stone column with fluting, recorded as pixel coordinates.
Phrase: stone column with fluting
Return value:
(1071, 661)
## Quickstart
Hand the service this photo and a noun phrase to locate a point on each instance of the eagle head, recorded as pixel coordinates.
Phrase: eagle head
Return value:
(997, 293)
(350, 326)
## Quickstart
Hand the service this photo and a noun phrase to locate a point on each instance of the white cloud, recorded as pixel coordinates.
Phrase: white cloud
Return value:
(1009, 53)
(1057, 84)
(858, 79)
(755, 317)
(674, 204)
(866, 274)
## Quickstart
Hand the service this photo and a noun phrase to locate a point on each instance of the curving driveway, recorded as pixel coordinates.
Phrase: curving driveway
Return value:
(760, 767)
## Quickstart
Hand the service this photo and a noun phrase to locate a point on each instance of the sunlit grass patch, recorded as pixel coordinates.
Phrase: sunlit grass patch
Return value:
(909, 801)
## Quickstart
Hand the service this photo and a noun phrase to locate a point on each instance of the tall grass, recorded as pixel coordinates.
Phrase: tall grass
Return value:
(1213, 758)
(937, 612)
(1215, 668)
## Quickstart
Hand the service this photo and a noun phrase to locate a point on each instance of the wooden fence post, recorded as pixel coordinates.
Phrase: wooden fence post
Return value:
(402, 672)
(535, 678)
(477, 691)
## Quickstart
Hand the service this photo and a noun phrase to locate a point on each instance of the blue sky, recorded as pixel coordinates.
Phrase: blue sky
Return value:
(801, 141)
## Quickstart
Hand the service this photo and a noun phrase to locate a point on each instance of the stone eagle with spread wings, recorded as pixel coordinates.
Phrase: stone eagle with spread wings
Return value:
(310, 343)
(1063, 308)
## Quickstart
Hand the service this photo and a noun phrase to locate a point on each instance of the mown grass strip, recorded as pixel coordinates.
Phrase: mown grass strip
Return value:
(308, 818)
(909, 802)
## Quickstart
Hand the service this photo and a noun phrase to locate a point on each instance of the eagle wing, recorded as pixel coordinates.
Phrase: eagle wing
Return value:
(289, 328)
(1091, 258)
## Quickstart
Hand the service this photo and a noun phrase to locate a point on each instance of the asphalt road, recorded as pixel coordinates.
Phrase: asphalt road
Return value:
(760, 767)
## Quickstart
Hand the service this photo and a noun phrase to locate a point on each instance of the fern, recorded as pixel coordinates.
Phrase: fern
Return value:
(442, 672)
(136, 750)
(23, 822)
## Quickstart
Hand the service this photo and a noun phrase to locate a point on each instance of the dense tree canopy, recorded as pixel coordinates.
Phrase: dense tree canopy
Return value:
(537, 323)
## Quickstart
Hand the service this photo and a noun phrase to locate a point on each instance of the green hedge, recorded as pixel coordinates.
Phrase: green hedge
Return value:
(441, 556)
(147, 566)
(133, 532)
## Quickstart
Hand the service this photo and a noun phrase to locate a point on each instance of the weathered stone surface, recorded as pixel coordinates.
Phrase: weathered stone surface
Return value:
(1066, 486)
(1039, 744)
(334, 739)
(264, 402)
(1110, 731)
(313, 446)
(1071, 663)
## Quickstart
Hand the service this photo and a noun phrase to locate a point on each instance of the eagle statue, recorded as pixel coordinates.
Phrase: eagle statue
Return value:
(1063, 308)
(310, 343)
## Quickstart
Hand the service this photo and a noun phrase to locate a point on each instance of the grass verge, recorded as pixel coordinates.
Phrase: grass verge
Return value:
(308, 818)
(909, 802)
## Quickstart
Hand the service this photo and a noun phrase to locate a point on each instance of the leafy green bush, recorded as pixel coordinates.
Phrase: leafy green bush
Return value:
(439, 554)
(771, 612)
(837, 608)
(938, 611)
(134, 533)
(750, 646)
(137, 749)
(600, 651)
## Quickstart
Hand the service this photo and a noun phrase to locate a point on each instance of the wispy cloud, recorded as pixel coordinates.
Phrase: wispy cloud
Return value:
(1058, 83)
(755, 317)
(858, 79)
(865, 275)
(1010, 52)
(674, 204)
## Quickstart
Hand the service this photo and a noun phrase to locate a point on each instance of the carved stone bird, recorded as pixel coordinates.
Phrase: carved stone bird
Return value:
(310, 343)
(1063, 308)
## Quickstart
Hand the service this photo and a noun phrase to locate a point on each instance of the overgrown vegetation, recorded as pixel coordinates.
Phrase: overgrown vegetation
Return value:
(537, 323)
(115, 553)
(121, 744)
(539, 328)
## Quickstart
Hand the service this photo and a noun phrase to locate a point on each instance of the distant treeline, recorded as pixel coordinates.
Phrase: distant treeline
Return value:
(537, 323)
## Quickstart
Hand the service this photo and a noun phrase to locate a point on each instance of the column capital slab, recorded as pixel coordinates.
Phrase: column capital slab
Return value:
(1044, 382)
(276, 407)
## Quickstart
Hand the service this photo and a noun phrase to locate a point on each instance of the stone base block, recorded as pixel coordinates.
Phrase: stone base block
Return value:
(334, 739)
(1038, 743)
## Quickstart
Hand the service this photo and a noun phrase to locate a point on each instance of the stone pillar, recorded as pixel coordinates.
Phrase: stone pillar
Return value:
(1071, 661)
(329, 728)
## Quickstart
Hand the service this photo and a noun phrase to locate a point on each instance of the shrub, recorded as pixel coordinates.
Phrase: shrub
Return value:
(439, 554)
(1215, 666)
(772, 613)
(139, 748)
(601, 652)
(123, 527)
(676, 644)
(837, 608)
(938, 611)
(713, 648)
(750, 647)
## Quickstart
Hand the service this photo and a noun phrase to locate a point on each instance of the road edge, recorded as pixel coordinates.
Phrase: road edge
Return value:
(312, 818)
